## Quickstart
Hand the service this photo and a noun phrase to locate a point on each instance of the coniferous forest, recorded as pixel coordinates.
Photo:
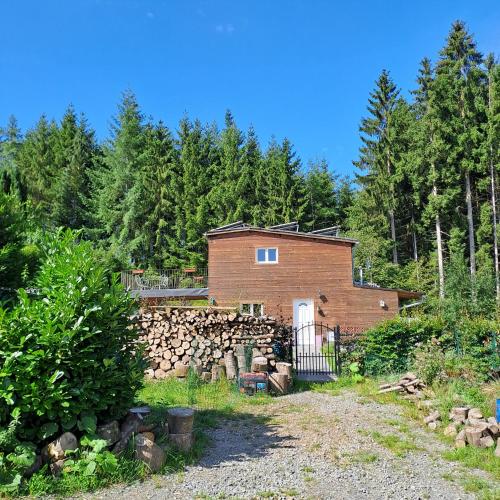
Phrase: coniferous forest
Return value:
(422, 201)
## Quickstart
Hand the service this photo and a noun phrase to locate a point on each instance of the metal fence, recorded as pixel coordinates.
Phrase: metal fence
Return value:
(165, 279)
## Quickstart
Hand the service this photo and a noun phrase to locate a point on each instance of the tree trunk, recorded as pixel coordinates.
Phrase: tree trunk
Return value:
(493, 194)
(414, 237)
(470, 222)
(495, 234)
(391, 214)
(439, 248)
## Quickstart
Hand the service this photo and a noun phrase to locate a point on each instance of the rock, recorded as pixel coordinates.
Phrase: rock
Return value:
(475, 421)
(492, 420)
(34, 467)
(473, 436)
(180, 420)
(148, 435)
(57, 467)
(459, 414)
(486, 442)
(460, 441)
(133, 421)
(494, 430)
(149, 453)
(55, 450)
(497, 449)
(433, 425)
(182, 441)
(432, 417)
(109, 432)
(479, 425)
(475, 413)
(450, 430)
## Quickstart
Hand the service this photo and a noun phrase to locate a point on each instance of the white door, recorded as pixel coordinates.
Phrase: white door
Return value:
(303, 319)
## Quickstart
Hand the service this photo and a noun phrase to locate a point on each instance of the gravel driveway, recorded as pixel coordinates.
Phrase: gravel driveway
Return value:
(312, 445)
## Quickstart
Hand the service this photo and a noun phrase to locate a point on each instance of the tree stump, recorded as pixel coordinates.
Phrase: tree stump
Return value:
(285, 368)
(180, 420)
(279, 382)
(259, 364)
(181, 371)
(182, 441)
(230, 365)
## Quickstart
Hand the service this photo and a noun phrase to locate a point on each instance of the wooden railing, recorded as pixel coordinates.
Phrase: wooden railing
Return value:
(164, 279)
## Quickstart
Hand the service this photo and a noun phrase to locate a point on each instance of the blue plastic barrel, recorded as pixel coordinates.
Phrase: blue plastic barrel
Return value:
(498, 410)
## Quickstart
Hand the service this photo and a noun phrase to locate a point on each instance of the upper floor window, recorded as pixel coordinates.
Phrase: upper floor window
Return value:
(267, 255)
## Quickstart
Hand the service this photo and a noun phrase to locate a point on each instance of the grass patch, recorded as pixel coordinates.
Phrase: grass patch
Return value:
(212, 401)
(481, 487)
(399, 446)
(476, 458)
(363, 457)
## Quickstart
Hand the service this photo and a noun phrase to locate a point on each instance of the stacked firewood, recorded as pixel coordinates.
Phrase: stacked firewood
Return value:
(176, 338)
(409, 384)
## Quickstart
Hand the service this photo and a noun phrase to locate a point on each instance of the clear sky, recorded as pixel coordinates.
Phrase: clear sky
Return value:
(296, 68)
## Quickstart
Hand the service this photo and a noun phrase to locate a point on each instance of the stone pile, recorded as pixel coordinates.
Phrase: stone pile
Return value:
(177, 338)
(409, 384)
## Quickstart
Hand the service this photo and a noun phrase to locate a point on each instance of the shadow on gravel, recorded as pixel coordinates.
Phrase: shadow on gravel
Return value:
(239, 437)
(225, 435)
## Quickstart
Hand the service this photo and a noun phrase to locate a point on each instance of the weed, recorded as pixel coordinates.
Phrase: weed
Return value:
(476, 458)
(307, 469)
(399, 446)
(363, 457)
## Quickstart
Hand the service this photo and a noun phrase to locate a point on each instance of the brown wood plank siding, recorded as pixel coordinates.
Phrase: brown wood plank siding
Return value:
(305, 268)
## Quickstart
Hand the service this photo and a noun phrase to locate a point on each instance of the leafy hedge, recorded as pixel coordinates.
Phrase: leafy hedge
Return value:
(390, 346)
(67, 355)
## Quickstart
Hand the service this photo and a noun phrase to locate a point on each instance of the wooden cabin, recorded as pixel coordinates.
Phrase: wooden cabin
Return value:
(295, 276)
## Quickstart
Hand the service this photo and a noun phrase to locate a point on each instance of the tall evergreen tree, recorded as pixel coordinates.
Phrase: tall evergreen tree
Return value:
(459, 70)
(37, 165)
(74, 157)
(376, 153)
(10, 143)
(114, 183)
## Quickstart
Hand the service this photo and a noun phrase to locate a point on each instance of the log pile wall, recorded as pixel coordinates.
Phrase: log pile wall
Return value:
(176, 338)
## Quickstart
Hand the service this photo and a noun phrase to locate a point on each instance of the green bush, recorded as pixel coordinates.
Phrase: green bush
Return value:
(429, 361)
(67, 355)
(388, 346)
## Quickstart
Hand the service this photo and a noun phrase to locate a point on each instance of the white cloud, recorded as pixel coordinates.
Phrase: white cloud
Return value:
(226, 29)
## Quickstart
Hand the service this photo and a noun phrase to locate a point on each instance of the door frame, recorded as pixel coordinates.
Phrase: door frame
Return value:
(296, 325)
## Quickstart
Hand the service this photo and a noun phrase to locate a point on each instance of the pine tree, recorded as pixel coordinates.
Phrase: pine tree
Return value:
(74, 157)
(121, 162)
(322, 208)
(285, 200)
(459, 69)
(10, 143)
(376, 153)
(37, 166)
(492, 155)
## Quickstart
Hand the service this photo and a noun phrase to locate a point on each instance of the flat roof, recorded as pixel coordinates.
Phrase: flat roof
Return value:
(402, 294)
(292, 234)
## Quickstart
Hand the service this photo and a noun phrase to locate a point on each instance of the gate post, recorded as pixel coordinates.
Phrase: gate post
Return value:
(338, 367)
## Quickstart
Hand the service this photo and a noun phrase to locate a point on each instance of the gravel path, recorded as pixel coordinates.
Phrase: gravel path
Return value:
(312, 445)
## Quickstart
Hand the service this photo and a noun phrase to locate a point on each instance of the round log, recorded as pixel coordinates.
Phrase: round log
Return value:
(183, 442)
(180, 420)
(279, 383)
(259, 364)
(165, 365)
(230, 363)
(285, 368)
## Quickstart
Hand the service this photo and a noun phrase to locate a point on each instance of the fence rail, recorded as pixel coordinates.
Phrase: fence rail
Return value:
(164, 279)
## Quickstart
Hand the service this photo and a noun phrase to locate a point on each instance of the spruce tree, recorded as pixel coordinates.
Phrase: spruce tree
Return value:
(113, 195)
(10, 143)
(376, 153)
(463, 106)
(37, 166)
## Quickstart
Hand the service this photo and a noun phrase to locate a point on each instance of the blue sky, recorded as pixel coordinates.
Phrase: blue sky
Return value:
(300, 69)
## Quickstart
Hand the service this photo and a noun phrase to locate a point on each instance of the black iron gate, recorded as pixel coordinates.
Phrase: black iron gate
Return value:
(315, 349)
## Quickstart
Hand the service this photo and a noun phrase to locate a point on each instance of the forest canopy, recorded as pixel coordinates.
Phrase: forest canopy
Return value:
(422, 202)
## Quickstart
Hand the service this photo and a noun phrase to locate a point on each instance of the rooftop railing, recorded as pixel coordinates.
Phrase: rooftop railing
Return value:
(138, 279)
